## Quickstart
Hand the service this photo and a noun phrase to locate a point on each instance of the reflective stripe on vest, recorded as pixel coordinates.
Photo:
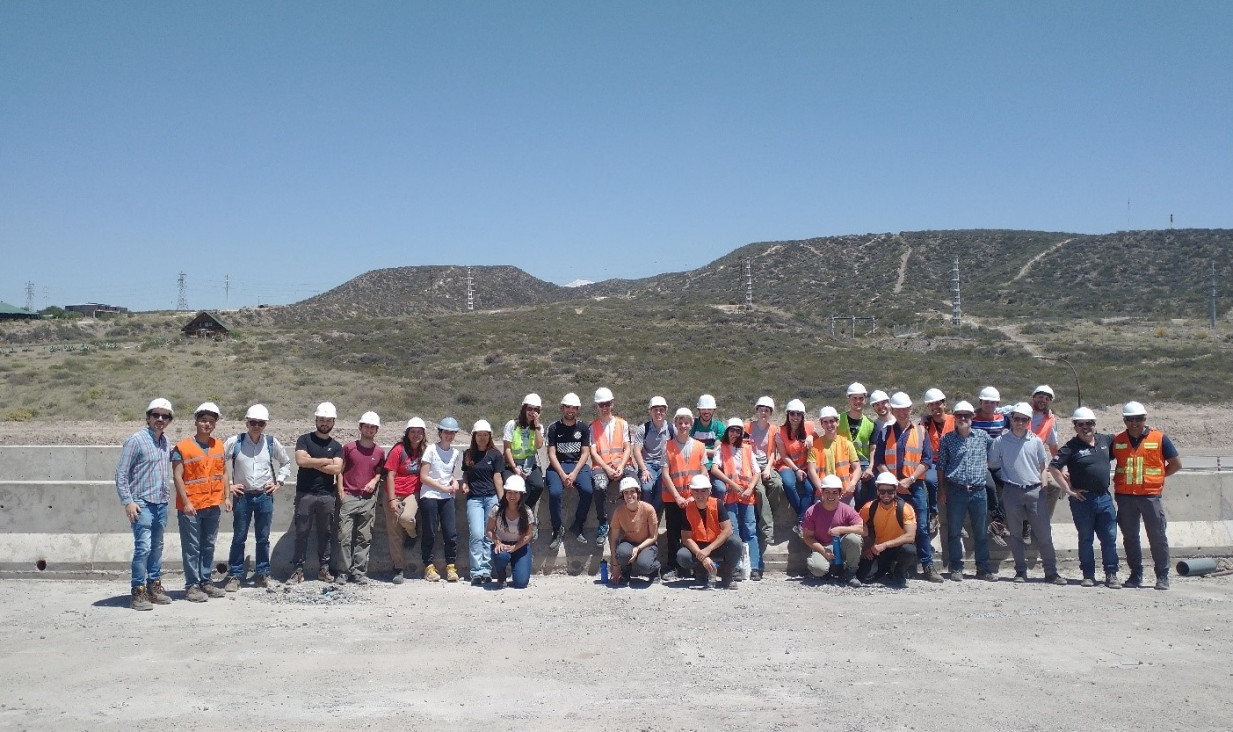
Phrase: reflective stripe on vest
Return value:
(912, 451)
(1139, 471)
(680, 468)
(727, 463)
(519, 449)
(599, 440)
(840, 447)
(703, 532)
(864, 434)
(203, 473)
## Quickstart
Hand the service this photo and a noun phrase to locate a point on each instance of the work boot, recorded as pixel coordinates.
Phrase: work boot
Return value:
(232, 584)
(956, 575)
(930, 574)
(195, 594)
(359, 578)
(1020, 578)
(296, 577)
(898, 582)
(1055, 579)
(264, 581)
(430, 573)
(451, 574)
(157, 594)
(141, 601)
(341, 578)
(323, 575)
(986, 577)
(213, 591)
(1111, 581)
(851, 580)
(1088, 581)
(1162, 582)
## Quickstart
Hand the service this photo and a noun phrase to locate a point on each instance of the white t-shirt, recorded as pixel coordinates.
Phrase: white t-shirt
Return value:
(441, 467)
(508, 533)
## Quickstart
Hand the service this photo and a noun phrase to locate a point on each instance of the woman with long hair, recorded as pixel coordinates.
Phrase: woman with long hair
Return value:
(734, 466)
(792, 444)
(402, 486)
(522, 439)
(510, 524)
(437, 489)
(482, 484)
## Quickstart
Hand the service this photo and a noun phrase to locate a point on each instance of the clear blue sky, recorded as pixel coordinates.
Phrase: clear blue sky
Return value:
(295, 145)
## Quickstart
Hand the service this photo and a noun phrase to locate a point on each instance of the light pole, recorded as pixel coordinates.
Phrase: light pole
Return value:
(1078, 390)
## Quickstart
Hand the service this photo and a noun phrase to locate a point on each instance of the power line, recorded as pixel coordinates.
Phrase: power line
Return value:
(182, 284)
(748, 285)
(470, 291)
(30, 296)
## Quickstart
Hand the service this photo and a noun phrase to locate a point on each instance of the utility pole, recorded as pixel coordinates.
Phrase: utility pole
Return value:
(45, 299)
(956, 313)
(748, 285)
(227, 291)
(30, 296)
(470, 291)
(1213, 294)
(182, 285)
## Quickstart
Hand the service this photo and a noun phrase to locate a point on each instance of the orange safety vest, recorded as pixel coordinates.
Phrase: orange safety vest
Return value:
(795, 450)
(704, 532)
(1046, 426)
(203, 473)
(680, 470)
(600, 447)
(842, 449)
(727, 463)
(1140, 470)
(948, 425)
(912, 452)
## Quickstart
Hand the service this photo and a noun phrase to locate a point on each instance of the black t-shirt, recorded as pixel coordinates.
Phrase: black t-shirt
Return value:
(569, 440)
(311, 480)
(1088, 465)
(479, 476)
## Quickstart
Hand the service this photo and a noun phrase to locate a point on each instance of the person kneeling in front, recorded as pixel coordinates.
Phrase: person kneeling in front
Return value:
(708, 533)
(632, 535)
(825, 523)
(890, 525)
(510, 524)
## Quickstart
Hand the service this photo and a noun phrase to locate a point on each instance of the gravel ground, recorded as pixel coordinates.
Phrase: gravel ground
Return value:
(569, 654)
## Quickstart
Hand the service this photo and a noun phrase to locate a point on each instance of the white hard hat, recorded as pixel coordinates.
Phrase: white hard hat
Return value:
(532, 400)
(415, 422)
(878, 396)
(989, 394)
(160, 403)
(259, 412)
(900, 400)
(603, 394)
(933, 395)
(1022, 409)
(481, 426)
(571, 400)
(857, 388)
(1133, 409)
(733, 422)
(683, 412)
(886, 479)
(963, 407)
(657, 401)
(628, 483)
(1083, 414)
(765, 401)
(826, 412)
(699, 482)
(1043, 388)
(831, 481)
(706, 401)
(370, 418)
(326, 410)
(210, 407)
(516, 484)
(796, 405)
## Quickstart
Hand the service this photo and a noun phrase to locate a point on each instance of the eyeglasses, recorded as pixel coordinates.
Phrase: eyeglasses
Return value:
(796, 414)
(1085, 424)
(256, 423)
(161, 415)
(1020, 419)
(886, 491)
(963, 416)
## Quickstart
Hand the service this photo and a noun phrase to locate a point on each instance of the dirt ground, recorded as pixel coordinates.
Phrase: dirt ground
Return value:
(568, 654)
(1194, 429)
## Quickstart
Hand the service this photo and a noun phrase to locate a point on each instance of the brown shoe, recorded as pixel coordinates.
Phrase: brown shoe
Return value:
(264, 581)
(141, 601)
(195, 594)
(323, 575)
(296, 577)
(931, 575)
(213, 591)
(232, 584)
(157, 594)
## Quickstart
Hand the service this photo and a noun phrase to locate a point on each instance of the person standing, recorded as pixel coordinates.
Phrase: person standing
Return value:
(610, 458)
(522, 440)
(197, 469)
(1144, 457)
(686, 460)
(903, 451)
(143, 482)
(734, 466)
(992, 421)
(1044, 424)
(1022, 459)
(509, 532)
(860, 429)
(881, 405)
(650, 441)
(1085, 458)
(832, 453)
(438, 486)
(708, 431)
(402, 487)
(632, 538)
(357, 500)
(252, 481)
(936, 423)
(569, 456)
(962, 462)
(319, 458)
(482, 484)
(831, 519)
(762, 435)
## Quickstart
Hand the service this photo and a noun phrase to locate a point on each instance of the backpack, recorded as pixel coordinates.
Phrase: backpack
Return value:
(269, 447)
(873, 509)
(649, 425)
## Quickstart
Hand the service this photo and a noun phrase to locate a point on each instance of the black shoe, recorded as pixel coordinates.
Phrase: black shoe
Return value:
(1162, 582)
(755, 575)
(1134, 580)
(897, 582)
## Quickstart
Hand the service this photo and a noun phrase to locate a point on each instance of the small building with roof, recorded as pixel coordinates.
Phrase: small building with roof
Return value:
(206, 325)
(12, 312)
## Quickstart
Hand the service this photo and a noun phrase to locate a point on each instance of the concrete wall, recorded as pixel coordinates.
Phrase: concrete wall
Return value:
(59, 512)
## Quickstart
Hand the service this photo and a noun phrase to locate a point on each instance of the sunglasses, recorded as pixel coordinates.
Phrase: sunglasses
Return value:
(1135, 419)
(1085, 424)
(962, 415)
(886, 491)
(603, 404)
(162, 416)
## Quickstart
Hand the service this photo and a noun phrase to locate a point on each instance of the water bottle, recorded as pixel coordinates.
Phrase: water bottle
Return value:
(603, 571)
(837, 548)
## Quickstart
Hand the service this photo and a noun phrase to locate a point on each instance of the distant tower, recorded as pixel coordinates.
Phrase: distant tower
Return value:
(748, 285)
(470, 291)
(227, 291)
(30, 296)
(182, 285)
(45, 299)
(956, 313)
(1213, 294)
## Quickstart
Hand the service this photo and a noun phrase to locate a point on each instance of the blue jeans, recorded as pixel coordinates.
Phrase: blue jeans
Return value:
(931, 485)
(961, 502)
(521, 560)
(148, 542)
(556, 493)
(719, 489)
(245, 508)
(477, 533)
(650, 490)
(744, 517)
(798, 492)
(1095, 516)
(919, 498)
(197, 535)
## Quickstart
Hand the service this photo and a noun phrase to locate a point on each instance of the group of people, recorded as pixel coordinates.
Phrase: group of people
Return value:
(866, 491)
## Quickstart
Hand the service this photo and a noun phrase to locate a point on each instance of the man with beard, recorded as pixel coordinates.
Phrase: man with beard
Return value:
(319, 457)
(197, 469)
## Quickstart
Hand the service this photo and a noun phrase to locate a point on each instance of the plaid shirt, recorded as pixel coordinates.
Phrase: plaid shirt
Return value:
(963, 461)
(144, 470)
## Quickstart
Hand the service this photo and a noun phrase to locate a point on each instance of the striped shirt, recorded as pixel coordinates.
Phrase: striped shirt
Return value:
(994, 426)
(144, 470)
(964, 460)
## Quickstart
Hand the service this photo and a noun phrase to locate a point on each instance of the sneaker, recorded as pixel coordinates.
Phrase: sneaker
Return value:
(930, 575)
(956, 575)
(601, 536)
(195, 594)
(1020, 578)
(323, 575)
(534, 532)
(232, 584)
(430, 573)
(1055, 579)
(341, 578)
(157, 594)
(1027, 533)
(1162, 582)
(264, 581)
(359, 578)
(296, 577)
(451, 574)
(1135, 579)
(1111, 581)
(555, 544)
(398, 577)
(667, 575)
(998, 532)
(213, 591)
(851, 580)
(755, 575)
(798, 531)
(1088, 582)
(897, 582)
(986, 577)
(582, 539)
(934, 525)
(141, 601)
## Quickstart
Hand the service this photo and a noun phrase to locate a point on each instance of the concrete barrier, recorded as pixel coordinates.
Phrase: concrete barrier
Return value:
(59, 514)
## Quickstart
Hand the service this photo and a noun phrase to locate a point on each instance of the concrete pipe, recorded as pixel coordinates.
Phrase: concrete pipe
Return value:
(1196, 567)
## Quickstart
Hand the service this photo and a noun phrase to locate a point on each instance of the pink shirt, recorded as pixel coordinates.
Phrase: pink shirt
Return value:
(360, 466)
(820, 521)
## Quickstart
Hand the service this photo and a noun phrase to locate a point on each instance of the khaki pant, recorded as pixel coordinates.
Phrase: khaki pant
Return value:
(355, 519)
(400, 523)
